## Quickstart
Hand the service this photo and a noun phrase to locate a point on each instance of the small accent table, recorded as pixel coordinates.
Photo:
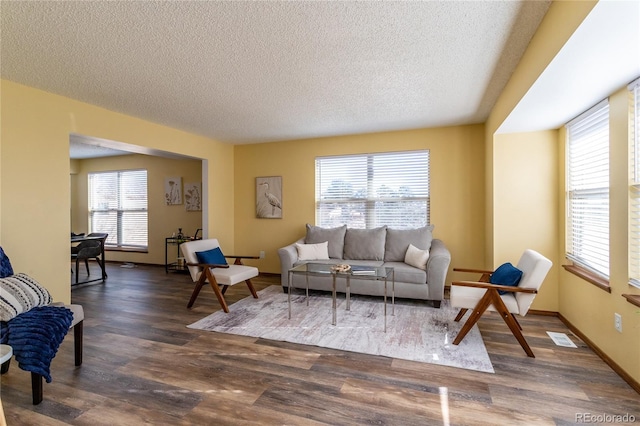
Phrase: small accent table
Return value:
(378, 273)
(174, 265)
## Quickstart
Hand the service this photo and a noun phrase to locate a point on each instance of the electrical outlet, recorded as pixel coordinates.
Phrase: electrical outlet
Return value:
(617, 322)
(261, 254)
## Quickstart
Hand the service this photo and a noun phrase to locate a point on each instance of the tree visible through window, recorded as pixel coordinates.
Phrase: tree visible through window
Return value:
(118, 206)
(371, 190)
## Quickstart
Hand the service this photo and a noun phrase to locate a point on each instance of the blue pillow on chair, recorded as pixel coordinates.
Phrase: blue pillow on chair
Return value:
(213, 256)
(6, 270)
(506, 274)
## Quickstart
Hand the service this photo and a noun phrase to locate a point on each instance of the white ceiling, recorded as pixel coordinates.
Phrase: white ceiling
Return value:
(258, 71)
(602, 56)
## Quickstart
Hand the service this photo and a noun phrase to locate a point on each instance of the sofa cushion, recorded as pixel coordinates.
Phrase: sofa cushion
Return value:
(398, 241)
(365, 244)
(404, 273)
(317, 251)
(20, 293)
(333, 236)
(416, 257)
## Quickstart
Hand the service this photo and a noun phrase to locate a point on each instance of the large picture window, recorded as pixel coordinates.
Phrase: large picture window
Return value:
(588, 190)
(118, 206)
(634, 187)
(370, 190)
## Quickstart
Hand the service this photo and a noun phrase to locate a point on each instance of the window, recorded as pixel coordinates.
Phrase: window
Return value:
(588, 190)
(634, 187)
(118, 206)
(371, 190)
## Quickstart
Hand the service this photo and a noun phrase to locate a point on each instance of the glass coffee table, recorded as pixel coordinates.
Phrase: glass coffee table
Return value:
(378, 273)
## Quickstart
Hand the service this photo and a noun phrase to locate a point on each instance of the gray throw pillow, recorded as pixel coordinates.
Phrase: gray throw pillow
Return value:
(334, 236)
(365, 244)
(398, 241)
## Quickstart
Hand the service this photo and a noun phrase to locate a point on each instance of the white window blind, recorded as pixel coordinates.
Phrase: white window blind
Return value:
(370, 190)
(118, 206)
(588, 189)
(634, 187)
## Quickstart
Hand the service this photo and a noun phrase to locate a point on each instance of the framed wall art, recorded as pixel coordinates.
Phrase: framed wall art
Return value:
(269, 197)
(193, 196)
(173, 190)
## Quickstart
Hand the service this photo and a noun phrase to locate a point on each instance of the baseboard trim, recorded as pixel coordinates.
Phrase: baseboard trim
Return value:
(611, 363)
(544, 313)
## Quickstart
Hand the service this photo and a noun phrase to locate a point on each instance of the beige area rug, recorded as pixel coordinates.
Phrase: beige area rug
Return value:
(417, 332)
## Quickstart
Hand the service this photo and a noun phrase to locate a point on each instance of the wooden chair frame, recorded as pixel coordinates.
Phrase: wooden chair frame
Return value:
(491, 297)
(207, 275)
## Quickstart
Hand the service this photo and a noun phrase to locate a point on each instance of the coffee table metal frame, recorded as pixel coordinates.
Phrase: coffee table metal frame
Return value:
(323, 269)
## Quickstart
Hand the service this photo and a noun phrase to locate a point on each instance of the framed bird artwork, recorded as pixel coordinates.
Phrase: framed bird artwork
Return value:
(269, 197)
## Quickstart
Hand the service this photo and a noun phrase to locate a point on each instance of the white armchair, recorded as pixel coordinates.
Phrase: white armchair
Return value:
(482, 295)
(217, 272)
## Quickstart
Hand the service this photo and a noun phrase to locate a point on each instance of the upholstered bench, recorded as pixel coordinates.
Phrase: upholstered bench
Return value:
(37, 387)
(23, 302)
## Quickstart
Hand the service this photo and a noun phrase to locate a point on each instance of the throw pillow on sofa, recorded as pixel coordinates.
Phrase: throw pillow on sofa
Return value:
(20, 293)
(365, 244)
(318, 251)
(398, 241)
(334, 237)
(416, 257)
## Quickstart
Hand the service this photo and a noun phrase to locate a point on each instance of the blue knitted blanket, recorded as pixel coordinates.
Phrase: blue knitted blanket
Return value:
(35, 336)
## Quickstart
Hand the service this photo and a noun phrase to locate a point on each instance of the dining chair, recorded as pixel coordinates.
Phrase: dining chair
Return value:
(88, 249)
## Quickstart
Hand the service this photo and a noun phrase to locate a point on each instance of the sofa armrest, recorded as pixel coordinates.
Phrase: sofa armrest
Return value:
(437, 268)
(288, 256)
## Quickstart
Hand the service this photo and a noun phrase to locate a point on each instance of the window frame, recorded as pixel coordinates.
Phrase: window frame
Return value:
(115, 240)
(582, 211)
(365, 184)
(634, 184)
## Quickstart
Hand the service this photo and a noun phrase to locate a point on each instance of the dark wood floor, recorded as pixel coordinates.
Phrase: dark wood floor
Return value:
(143, 366)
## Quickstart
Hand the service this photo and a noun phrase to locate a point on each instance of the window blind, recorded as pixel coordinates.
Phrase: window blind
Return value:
(588, 189)
(118, 206)
(370, 190)
(634, 186)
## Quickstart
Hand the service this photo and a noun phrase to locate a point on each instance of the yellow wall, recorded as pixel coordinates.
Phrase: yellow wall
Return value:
(587, 307)
(470, 182)
(163, 219)
(457, 187)
(35, 174)
(584, 305)
(526, 204)
(559, 23)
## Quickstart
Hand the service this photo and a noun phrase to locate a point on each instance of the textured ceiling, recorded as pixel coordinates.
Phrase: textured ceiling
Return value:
(247, 72)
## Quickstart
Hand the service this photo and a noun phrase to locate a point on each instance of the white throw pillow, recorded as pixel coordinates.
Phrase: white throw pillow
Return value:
(318, 251)
(416, 257)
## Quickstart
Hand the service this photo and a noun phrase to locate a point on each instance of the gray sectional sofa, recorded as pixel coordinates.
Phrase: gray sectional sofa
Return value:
(373, 247)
